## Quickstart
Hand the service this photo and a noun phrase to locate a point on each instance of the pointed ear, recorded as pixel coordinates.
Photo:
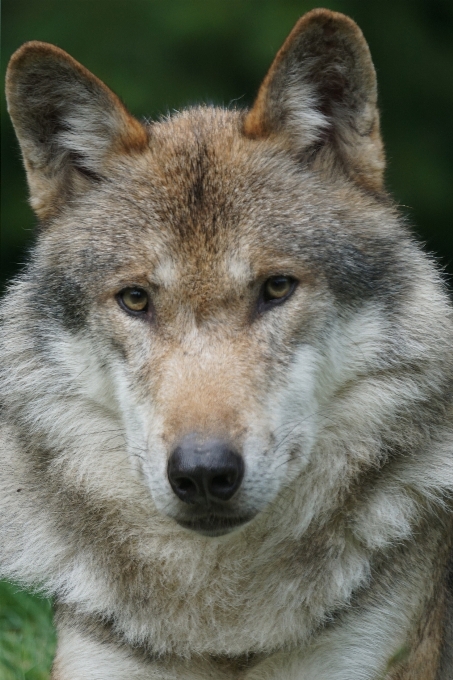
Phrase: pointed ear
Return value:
(320, 98)
(68, 123)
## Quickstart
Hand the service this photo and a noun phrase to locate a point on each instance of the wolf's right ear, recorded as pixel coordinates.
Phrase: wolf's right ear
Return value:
(68, 123)
(319, 98)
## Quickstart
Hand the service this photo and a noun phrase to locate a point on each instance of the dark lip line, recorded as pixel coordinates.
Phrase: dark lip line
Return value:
(211, 528)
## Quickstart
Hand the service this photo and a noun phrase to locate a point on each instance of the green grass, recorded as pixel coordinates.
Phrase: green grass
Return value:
(27, 636)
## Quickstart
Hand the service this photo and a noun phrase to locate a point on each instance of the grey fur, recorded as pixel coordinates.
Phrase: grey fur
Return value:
(339, 399)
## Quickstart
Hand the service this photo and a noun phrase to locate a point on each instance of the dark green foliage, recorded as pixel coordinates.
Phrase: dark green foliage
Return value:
(27, 639)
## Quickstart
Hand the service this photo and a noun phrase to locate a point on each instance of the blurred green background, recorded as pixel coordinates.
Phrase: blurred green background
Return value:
(160, 55)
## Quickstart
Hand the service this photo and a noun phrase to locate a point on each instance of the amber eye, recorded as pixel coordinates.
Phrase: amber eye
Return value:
(277, 288)
(133, 300)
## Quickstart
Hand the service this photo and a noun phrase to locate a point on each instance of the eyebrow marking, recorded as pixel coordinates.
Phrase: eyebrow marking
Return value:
(166, 272)
(239, 269)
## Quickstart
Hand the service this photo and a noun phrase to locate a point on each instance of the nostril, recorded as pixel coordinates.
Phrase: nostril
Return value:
(185, 484)
(223, 486)
(222, 482)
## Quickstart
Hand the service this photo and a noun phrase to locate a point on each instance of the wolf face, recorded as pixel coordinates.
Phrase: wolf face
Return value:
(216, 229)
(230, 344)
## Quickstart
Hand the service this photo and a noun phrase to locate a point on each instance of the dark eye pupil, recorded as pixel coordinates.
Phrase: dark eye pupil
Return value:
(136, 295)
(279, 284)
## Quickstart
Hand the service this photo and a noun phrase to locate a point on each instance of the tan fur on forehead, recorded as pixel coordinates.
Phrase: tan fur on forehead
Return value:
(197, 155)
(204, 175)
(215, 187)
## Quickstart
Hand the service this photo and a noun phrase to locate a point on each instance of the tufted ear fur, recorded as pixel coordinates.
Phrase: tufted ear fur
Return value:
(320, 98)
(68, 123)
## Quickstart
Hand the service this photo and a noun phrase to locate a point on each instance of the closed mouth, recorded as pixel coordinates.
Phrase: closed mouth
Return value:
(213, 525)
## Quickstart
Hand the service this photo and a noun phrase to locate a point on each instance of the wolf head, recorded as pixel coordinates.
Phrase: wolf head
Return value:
(221, 304)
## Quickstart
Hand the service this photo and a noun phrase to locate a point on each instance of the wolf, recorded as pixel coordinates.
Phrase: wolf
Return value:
(226, 383)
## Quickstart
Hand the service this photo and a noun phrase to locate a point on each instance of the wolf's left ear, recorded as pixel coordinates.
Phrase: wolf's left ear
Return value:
(320, 98)
(68, 123)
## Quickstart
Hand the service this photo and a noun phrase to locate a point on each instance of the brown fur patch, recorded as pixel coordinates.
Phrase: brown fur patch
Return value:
(420, 658)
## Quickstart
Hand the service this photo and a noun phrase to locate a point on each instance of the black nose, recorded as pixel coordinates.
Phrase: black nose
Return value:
(203, 472)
